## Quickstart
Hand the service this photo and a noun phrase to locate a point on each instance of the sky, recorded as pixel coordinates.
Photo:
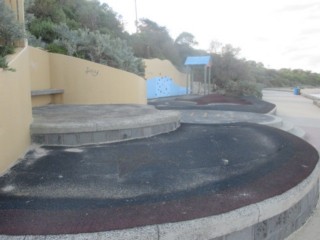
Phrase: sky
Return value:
(278, 33)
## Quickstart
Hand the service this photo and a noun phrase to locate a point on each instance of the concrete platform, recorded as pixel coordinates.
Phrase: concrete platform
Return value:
(221, 117)
(198, 182)
(214, 102)
(198, 210)
(74, 125)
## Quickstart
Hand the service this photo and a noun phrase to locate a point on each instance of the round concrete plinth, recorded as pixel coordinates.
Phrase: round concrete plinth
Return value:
(228, 181)
(74, 125)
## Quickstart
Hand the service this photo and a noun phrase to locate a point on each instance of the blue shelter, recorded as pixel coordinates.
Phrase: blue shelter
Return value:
(197, 62)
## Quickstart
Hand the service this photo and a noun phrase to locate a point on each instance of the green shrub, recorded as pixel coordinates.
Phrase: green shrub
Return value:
(97, 47)
(4, 64)
(55, 48)
(242, 89)
(6, 50)
(43, 29)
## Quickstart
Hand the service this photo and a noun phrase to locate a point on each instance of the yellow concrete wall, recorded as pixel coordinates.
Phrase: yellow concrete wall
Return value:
(85, 82)
(15, 110)
(158, 68)
(40, 75)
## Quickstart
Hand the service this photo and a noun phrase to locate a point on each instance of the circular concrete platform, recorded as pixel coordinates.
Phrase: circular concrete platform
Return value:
(214, 102)
(222, 117)
(198, 182)
(74, 125)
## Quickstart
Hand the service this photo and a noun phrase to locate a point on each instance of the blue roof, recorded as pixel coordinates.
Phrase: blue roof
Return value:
(198, 60)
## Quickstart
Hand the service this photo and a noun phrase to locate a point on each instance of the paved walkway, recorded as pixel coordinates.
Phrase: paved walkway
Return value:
(304, 114)
(298, 110)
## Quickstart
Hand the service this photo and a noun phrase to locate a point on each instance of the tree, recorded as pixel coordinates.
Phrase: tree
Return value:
(185, 44)
(76, 14)
(232, 75)
(186, 39)
(154, 41)
(49, 10)
(215, 47)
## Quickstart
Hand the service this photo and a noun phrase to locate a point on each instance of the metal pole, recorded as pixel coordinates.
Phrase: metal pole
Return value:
(136, 11)
(192, 78)
(188, 80)
(205, 80)
(210, 80)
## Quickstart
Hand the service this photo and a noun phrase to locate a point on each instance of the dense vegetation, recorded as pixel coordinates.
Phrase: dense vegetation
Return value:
(93, 31)
(81, 28)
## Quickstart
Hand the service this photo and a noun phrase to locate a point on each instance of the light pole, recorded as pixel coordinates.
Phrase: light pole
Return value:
(136, 11)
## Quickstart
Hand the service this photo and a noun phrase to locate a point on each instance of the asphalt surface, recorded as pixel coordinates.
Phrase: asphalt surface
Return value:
(193, 172)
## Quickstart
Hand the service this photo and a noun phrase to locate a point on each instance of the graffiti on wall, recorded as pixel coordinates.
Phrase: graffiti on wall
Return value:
(92, 72)
(163, 87)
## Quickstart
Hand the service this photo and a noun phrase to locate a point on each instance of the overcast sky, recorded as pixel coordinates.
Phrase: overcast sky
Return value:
(278, 33)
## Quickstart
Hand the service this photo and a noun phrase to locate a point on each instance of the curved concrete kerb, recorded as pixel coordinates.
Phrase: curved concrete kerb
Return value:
(74, 125)
(274, 218)
(222, 117)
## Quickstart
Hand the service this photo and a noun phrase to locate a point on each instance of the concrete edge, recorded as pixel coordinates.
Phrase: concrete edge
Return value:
(276, 122)
(306, 95)
(273, 206)
(316, 100)
(147, 120)
(102, 137)
(273, 111)
(215, 227)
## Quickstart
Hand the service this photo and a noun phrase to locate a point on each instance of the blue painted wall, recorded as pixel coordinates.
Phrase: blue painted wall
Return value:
(163, 87)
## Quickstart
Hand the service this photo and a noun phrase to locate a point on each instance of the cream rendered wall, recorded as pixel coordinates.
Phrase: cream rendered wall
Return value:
(15, 110)
(85, 82)
(40, 75)
(158, 68)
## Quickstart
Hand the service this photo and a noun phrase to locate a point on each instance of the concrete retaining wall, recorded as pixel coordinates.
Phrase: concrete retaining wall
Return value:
(15, 110)
(164, 79)
(85, 82)
(163, 87)
(164, 68)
